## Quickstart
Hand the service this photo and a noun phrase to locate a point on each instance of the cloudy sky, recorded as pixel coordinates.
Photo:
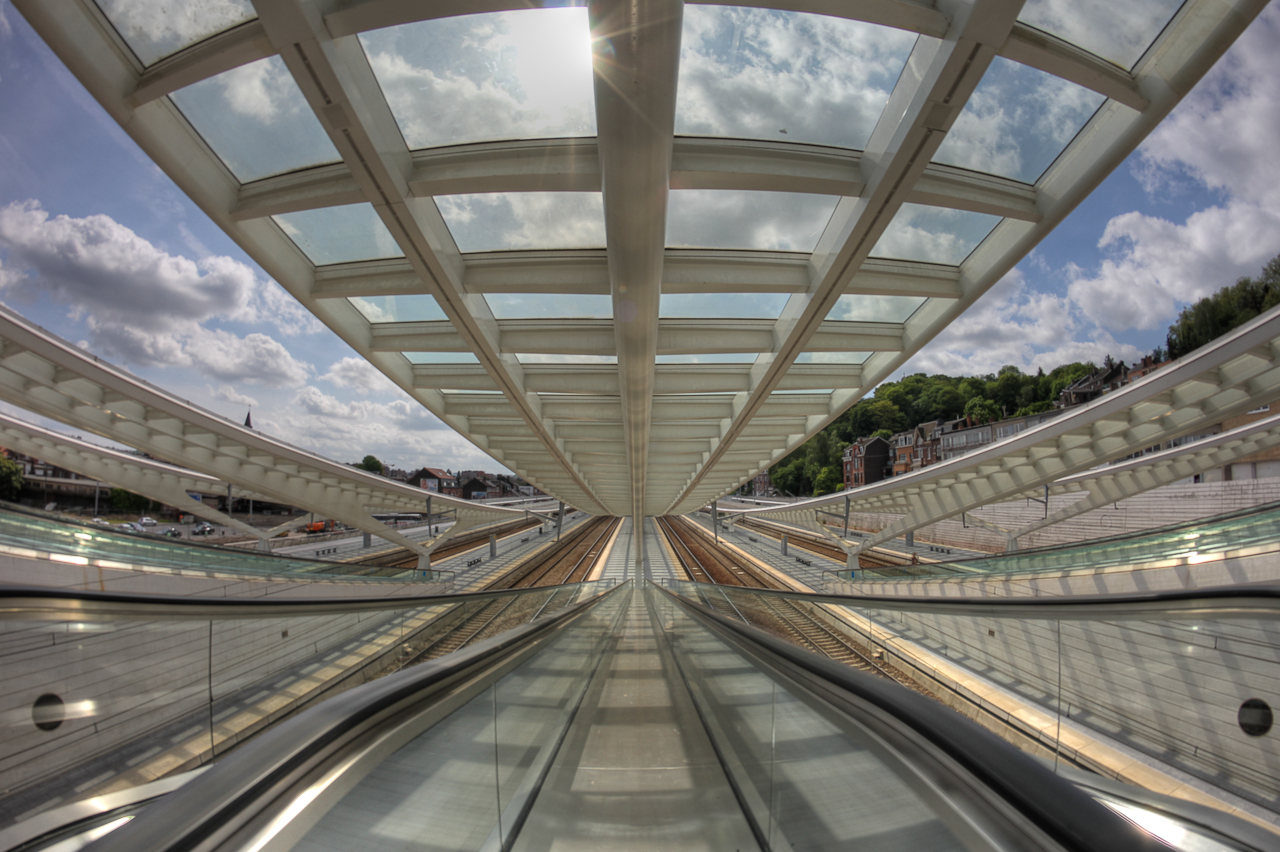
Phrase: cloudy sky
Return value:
(98, 246)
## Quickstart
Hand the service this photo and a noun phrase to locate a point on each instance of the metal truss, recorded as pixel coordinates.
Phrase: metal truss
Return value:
(637, 437)
(1224, 379)
(51, 377)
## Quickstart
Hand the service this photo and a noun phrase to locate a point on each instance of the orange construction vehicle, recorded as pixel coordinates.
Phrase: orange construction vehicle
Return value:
(318, 527)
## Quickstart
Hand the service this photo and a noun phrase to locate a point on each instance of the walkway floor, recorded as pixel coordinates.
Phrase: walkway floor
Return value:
(637, 771)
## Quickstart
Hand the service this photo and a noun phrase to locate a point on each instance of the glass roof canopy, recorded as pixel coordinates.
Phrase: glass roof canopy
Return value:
(638, 259)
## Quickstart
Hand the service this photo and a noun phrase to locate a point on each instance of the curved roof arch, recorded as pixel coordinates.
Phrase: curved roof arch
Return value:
(604, 363)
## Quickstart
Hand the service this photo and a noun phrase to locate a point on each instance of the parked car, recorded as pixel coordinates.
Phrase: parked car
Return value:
(147, 522)
(172, 532)
(203, 529)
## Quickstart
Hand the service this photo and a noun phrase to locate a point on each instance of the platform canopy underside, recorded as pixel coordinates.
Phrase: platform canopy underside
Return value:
(544, 224)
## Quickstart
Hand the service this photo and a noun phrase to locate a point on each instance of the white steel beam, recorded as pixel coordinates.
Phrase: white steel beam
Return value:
(1218, 381)
(1122, 481)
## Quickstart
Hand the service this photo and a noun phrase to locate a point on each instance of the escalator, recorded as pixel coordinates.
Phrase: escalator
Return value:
(628, 719)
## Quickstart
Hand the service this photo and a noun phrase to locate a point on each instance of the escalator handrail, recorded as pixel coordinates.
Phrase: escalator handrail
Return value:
(1227, 602)
(238, 781)
(1059, 808)
(45, 604)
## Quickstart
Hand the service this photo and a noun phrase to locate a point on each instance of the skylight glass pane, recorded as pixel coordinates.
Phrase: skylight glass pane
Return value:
(503, 75)
(724, 218)
(339, 234)
(1120, 32)
(256, 120)
(832, 357)
(557, 305)
(933, 234)
(441, 358)
(153, 29)
(795, 77)
(722, 305)
(416, 308)
(1017, 122)
(524, 220)
(545, 358)
(710, 358)
(875, 308)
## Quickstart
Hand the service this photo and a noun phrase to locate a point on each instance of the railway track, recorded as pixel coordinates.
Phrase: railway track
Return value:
(569, 561)
(393, 562)
(806, 625)
(706, 563)
(877, 560)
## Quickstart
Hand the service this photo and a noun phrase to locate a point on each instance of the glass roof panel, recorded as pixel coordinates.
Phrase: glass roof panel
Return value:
(1119, 32)
(832, 357)
(1017, 122)
(933, 234)
(543, 358)
(415, 308)
(795, 77)
(875, 308)
(524, 220)
(256, 120)
(744, 219)
(710, 358)
(550, 305)
(723, 305)
(502, 75)
(154, 29)
(441, 358)
(339, 234)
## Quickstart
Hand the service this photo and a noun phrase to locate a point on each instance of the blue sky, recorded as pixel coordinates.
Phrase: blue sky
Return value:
(98, 246)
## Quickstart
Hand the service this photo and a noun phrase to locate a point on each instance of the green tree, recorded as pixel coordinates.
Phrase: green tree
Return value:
(1230, 307)
(128, 503)
(10, 479)
(982, 410)
(788, 476)
(883, 414)
(371, 463)
(829, 480)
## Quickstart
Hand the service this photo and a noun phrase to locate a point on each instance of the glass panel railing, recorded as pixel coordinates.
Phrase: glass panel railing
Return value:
(1237, 531)
(1188, 680)
(465, 782)
(102, 692)
(28, 534)
(814, 768)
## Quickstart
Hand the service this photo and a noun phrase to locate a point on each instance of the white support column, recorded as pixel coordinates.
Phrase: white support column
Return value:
(637, 61)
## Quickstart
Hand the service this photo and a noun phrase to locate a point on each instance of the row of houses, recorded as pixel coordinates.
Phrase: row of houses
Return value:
(873, 459)
(471, 484)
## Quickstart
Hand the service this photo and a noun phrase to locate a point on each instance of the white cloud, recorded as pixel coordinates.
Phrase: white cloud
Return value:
(765, 74)
(515, 75)
(101, 268)
(359, 375)
(1013, 324)
(717, 218)
(142, 305)
(1221, 136)
(283, 311)
(399, 432)
(253, 358)
(492, 221)
(226, 393)
(156, 27)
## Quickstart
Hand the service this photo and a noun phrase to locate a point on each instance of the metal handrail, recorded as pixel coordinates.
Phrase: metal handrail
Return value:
(235, 789)
(38, 603)
(1231, 602)
(1054, 805)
